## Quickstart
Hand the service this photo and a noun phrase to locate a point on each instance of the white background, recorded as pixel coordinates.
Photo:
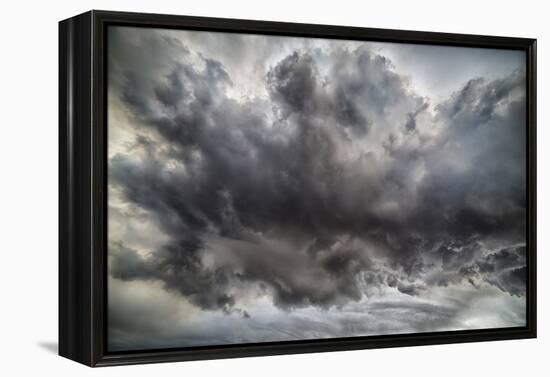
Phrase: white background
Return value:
(28, 196)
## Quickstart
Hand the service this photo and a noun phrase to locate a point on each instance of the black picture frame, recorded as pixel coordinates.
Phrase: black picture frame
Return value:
(82, 187)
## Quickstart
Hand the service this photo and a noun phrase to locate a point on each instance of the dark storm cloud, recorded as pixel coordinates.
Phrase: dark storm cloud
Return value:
(296, 214)
(506, 269)
(408, 289)
(350, 102)
(294, 84)
(179, 267)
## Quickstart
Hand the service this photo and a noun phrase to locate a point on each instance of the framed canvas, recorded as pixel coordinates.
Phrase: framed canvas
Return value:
(241, 188)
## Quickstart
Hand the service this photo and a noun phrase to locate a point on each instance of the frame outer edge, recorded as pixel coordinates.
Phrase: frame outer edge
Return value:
(63, 234)
(98, 197)
(75, 252)
(532, 176)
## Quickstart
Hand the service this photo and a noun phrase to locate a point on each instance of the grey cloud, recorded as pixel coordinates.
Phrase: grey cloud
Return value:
(506, 269)
(409, 289)
(410, 125)
(284, 193)
(179, 268)
(294, 83)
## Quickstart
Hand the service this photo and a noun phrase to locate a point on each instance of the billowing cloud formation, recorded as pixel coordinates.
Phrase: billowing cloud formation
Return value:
(332, 185)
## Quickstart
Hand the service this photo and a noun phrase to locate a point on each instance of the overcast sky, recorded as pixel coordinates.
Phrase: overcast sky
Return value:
(273, 188)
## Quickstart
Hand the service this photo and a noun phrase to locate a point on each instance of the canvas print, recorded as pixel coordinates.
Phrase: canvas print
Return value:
(268, 188)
